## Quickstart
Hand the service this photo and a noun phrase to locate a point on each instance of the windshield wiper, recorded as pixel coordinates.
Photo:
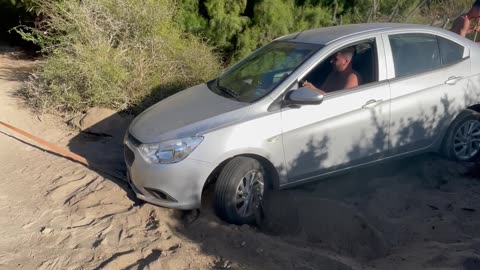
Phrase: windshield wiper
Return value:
(227, 91)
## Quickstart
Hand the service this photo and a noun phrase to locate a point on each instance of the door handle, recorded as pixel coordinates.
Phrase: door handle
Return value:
(453, 80)
(371, 103)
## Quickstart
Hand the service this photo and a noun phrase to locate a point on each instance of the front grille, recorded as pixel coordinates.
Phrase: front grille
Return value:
(129, 156)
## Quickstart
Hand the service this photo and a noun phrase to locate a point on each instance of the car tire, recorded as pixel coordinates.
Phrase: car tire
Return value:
(238, 190)
(463, 133)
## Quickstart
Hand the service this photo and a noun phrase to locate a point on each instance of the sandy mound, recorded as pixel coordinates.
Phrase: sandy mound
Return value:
(331, 224)
(419, 213)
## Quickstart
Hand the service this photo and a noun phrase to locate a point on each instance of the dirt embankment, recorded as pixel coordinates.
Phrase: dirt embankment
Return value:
(421, 213)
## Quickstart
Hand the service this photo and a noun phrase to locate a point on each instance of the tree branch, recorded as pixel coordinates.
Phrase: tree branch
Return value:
(415, 9)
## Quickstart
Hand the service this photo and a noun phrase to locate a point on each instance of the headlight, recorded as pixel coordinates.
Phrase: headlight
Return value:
(169, 151)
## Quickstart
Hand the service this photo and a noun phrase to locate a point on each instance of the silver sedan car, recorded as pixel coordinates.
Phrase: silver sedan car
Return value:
(256, 127)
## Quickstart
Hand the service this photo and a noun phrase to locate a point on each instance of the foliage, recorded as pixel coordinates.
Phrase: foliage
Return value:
(114, 53)
(236, 28)
(101, 55)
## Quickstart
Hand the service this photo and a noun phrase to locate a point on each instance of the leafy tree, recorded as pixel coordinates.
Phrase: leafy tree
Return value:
(189, 17)
(226, 22)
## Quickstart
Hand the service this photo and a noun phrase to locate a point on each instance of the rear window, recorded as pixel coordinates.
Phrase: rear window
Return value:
(451, 52)
(414, 53)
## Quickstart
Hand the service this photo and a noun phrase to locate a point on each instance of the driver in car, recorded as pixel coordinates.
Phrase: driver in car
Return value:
(343, 76)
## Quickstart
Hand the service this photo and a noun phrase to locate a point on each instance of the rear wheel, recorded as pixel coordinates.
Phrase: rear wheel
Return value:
(462, 141)
(239, 187)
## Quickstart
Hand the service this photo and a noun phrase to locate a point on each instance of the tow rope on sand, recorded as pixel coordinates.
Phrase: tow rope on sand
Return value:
(61, 151)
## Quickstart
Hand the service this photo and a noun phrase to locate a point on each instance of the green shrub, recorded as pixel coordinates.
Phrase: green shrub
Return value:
(119, 54)
(238, 27)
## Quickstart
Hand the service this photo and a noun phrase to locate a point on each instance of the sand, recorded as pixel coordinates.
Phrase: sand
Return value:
(420, 213)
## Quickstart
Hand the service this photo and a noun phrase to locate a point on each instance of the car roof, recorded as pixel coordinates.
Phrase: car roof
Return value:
(328, 35)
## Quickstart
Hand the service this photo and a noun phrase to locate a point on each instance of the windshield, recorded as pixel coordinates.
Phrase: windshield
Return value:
(260, 73)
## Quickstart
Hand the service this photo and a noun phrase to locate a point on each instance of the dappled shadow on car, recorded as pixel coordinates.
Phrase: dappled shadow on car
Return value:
(344, 222)
(359, 216)
(348, 214)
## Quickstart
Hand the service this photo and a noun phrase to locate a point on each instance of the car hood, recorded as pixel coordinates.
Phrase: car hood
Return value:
(187, 113)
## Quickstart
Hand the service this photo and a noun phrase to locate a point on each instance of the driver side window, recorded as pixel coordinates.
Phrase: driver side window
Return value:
(332, 75)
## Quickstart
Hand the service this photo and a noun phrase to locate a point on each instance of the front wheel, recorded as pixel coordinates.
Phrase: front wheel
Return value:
(239, 187)
(462, 141)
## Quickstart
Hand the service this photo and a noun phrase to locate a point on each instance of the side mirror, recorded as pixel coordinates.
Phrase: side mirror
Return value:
(304, 96)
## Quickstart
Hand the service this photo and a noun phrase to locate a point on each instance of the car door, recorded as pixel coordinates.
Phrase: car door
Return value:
(428, 79)
(349, 127)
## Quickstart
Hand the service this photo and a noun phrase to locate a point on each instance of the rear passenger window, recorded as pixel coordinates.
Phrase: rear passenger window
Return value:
(450, 51)
(414, 53)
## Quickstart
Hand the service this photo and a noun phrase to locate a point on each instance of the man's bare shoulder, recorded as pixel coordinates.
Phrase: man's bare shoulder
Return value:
(353, 80)
(354, 75)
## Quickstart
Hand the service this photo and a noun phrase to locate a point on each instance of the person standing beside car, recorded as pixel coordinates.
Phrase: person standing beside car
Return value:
(461, 25)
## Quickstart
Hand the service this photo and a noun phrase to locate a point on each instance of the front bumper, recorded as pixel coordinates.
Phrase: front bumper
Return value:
(177, 185)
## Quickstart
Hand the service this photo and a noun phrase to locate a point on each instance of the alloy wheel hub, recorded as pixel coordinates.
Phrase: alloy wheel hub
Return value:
(250, 184)
(466, 142)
